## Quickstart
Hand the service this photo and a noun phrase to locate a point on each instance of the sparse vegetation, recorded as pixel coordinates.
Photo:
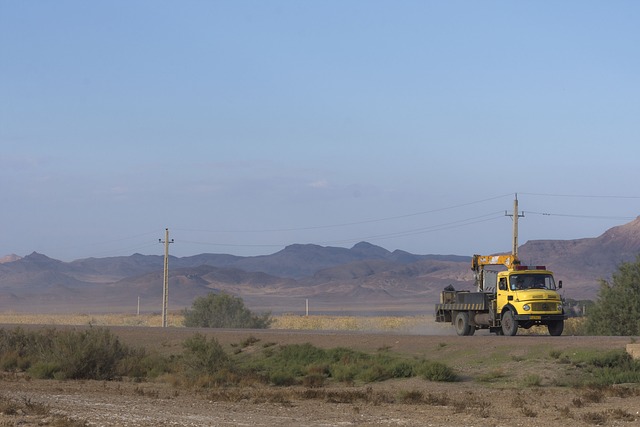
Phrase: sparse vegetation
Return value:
(491, 376)
(532, 380)
(255, 369)
(604, 369)
(305, 363)
(25, 407)
(94, 353)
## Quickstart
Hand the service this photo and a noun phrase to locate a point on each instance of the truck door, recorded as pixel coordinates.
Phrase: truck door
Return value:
(504, 295)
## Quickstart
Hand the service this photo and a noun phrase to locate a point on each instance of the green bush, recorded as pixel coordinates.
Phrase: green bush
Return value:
(346, 365)
(44, 370)
(612, 367)
(203, 357)
(138, 363)
(90, 354)
(20, 349)
(223, 311)
(532, 380)
(94, 353)
(617, 310)
(436, 371)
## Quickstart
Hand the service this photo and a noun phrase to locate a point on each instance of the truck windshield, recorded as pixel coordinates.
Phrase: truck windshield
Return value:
(531, 281)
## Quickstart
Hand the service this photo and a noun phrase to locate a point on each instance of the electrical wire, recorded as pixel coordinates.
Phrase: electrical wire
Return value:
(347, 224)
(429, 229)
(585, 196)
(580, 216)
(439, 227)
(446, 226)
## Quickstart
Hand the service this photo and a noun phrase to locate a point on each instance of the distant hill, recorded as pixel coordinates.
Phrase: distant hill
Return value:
(363, 279)
(9, 258)
(582, 263)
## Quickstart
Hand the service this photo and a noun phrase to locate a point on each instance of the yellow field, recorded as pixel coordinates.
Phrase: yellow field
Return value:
(173, 319)
(403, 324)
(334, 323)
(412, 324)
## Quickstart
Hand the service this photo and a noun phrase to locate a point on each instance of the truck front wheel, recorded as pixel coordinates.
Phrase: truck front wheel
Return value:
(556, 327)
(462, 325)
(509, 324)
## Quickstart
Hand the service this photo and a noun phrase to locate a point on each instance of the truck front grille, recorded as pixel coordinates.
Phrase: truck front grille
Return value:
(544, 306)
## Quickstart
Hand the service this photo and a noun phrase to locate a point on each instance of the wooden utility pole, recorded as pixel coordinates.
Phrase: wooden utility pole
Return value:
(515, 216)
(165, 284)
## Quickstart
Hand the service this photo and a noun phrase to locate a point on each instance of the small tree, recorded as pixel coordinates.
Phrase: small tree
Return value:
(223, 311)
(617, 310)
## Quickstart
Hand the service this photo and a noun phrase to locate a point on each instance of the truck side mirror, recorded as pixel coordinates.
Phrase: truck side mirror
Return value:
(560, 284)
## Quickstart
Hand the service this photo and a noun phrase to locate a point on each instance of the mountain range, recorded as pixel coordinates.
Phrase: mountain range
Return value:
(362, 279)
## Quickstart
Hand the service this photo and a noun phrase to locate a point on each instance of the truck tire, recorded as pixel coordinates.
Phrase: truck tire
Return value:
(461, 323)
(555, 328)
(509, 324)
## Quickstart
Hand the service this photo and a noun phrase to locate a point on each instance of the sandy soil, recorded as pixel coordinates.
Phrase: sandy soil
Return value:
(412, 402)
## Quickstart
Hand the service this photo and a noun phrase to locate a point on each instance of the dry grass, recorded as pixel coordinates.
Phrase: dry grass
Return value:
(408, 324)
(173, 319)
(403, 324)
(354, 323)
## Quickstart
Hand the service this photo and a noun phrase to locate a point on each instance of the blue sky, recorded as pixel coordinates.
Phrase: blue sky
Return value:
(246, 126)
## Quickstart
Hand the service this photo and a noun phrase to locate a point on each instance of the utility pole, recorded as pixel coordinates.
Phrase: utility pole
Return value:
(515, 216)
(165, 285)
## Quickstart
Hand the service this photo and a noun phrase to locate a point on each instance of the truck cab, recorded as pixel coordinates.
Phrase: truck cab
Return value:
(528, 296)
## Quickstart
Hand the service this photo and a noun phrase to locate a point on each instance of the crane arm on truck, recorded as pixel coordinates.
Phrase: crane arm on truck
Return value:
(479, 261)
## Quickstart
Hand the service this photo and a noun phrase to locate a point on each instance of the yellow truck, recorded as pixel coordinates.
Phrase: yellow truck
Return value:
(518, 297)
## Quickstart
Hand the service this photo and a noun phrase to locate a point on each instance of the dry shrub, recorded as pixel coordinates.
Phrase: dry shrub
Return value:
(146, 393)
(593, 395)
(313, 380)
(229, 395)
(518, 401)
(367, 395)
(565, 412)
(621, 414)
(622, 391)
(471, 402)
(412, 396)
(595, 418)
(437, 400)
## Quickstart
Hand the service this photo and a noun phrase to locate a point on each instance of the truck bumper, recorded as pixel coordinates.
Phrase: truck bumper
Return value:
(539, 318)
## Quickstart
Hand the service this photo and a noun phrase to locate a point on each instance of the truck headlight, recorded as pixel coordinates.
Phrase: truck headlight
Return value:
(526, 307)
(559, 306)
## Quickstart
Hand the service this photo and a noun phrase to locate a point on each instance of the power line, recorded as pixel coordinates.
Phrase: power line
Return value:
(441, 227)
(585, 196)
(412, 232)
(581, 216)
(346, 224)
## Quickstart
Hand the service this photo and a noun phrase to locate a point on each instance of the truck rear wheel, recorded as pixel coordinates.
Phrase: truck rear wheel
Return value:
(462, 325)
(509, 324)
(555, 328)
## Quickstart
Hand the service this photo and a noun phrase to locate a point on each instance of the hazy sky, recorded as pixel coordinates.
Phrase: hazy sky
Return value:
(246, 126)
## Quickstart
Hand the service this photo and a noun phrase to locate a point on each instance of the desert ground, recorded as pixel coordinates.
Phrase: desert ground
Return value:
(495, 387)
